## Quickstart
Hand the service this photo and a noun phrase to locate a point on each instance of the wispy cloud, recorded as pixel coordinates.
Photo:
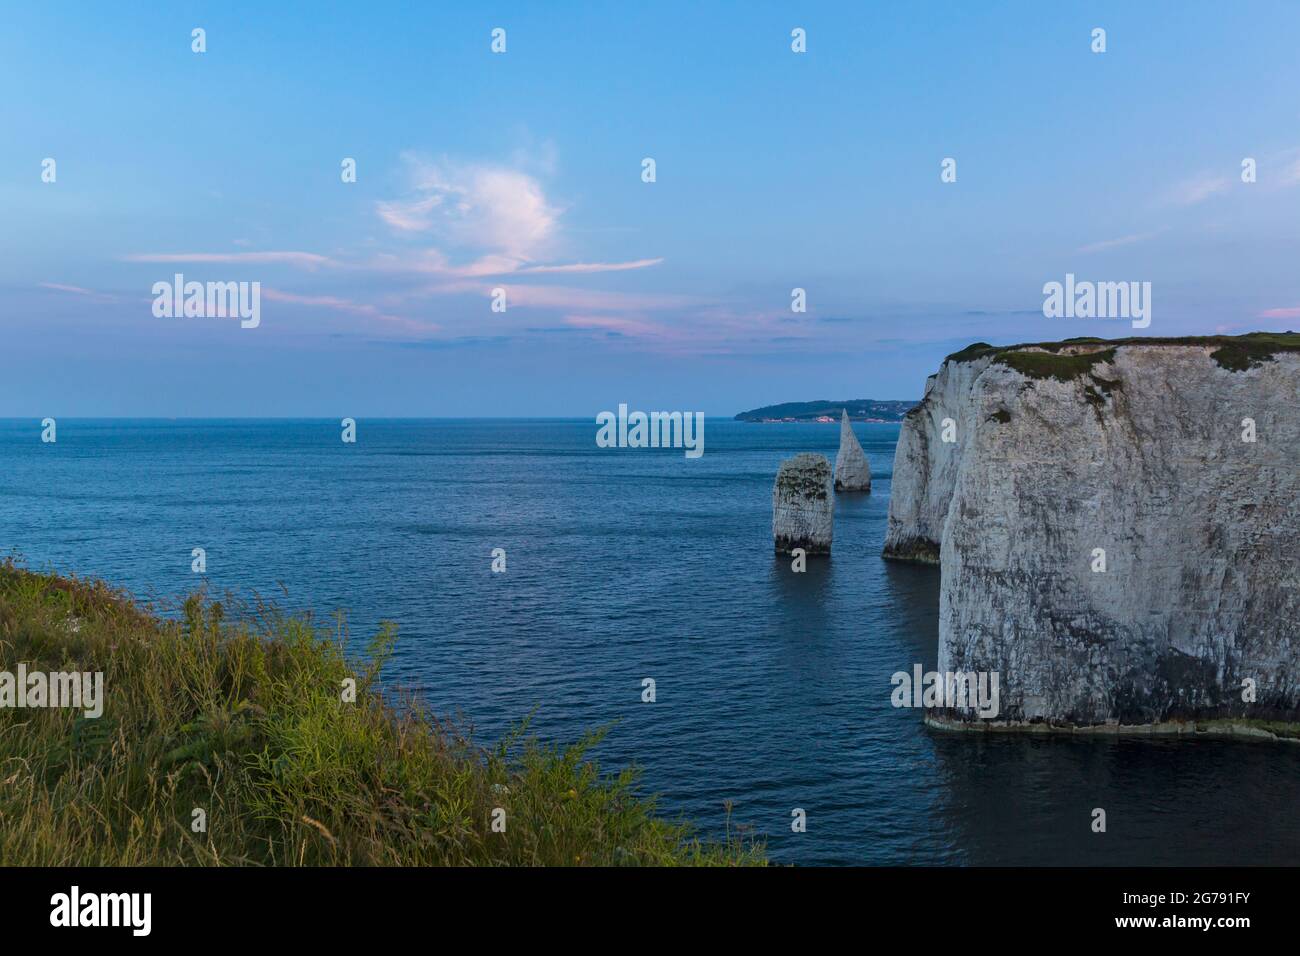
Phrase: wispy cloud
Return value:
(60, 287)
(412, 215)
(308, 260)
(594, 300)
(1290, 175)
(340, 304)
(592, 267)
(1197, 189)
(78, 290)
(475, 226)
(1288, 312)
(1120, 241)
(435, 262)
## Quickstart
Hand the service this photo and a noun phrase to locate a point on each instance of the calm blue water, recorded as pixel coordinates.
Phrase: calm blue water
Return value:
(773, 688)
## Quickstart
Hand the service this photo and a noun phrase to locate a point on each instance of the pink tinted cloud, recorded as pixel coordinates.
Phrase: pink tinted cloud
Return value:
(60, 287)
(410, 215)
(594, 300)
(487, 222)
(78, 290)
(474, 205)
(308, 260)
(569, 298)
(433, 261)
(339, 304)
(593, 267)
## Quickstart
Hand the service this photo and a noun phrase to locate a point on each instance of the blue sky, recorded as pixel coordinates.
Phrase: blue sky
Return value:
(522, 170)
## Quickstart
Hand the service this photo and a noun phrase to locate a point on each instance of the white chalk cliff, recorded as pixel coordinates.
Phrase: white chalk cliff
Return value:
(803, 505)
(1111, 540)
(852, 472)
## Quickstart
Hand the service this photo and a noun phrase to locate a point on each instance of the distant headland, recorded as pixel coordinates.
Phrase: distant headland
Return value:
(859, 409)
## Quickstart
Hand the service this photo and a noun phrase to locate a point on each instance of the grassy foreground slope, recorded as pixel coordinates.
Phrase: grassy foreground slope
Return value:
(245, 722)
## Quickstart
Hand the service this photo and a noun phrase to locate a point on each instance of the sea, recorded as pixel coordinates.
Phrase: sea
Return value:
(772, 688)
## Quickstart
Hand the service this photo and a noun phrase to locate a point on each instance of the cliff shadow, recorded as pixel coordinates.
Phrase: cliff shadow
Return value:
(910, 600)
(1013, 800)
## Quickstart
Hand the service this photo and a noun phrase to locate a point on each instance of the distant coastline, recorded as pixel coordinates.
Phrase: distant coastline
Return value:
(827, 412)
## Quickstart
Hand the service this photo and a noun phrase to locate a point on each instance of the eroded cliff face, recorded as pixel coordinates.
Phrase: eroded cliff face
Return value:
(1108, 542)
(925, 466)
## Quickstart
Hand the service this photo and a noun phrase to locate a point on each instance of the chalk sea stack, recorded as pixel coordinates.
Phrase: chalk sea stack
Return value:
(803, 505)
(852, 472)
(1116, 526)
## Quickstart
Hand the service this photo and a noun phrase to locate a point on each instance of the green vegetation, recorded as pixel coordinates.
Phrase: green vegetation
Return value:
(972, 352)
(1060, 366)
(1045, 359)
(1238, 353)
(806, 476)
(245, 721)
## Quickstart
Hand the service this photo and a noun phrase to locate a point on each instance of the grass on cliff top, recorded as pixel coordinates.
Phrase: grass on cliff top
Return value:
(245, 721)
(1234, 352)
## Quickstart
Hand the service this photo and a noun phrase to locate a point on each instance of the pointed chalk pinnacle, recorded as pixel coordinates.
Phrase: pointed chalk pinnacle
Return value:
(852, 472)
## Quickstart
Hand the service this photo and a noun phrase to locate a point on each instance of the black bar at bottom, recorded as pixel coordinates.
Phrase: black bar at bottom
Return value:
(380, 906)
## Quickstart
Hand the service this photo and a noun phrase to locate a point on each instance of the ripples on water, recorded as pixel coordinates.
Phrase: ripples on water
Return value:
(773, 688)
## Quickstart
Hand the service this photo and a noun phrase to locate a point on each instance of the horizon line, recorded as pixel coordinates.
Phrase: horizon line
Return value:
(331, 418)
